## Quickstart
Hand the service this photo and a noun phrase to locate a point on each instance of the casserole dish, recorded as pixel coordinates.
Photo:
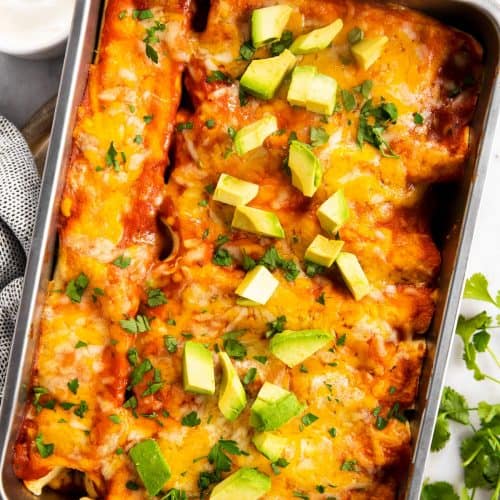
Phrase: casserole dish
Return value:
(457, 225)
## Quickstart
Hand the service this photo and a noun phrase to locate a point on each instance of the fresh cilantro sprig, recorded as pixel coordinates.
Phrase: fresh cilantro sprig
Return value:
(474, 330)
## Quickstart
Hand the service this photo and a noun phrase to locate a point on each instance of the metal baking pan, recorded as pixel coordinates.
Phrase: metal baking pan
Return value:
(476, 17)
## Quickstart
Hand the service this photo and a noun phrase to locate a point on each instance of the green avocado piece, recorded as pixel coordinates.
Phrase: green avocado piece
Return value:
(269, 23)
(317, 39)
(258, 285)
(293, 347)
(322, 95)
(302, 78)
(198, 369)
(334, 212)
(306, 168)
(269, 444)
(323, 251)
(263, 76)
(353, 275)
(255, 220)
(232, 396)
(245, 484)
(150, 465)
(234, 191)
(273, 408)
(253, 136)
(368, 50)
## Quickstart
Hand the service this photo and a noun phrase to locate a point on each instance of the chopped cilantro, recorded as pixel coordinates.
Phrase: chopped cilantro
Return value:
(138, 139)
(44, 449)
(81, 409)
(218, 76)
(210, 123)
(156, 297)
(355, 35)
(332, 431)
(261, 359)
(114, 418)
(184, 126)
(222, 257)
(250, 376)
(80, 344)
(142, 14)
(309, 418)
(76, 287)
(321, 298)
(122, 14)
(349, 465)
(341, 340)
(247, 50)
(191, 419)
(348, 100)
(148, 119)
(312, 269)
(276, 326)
(418, 119)
(133, 356)
(139, 371)
(283, 43)
(122, 262)
(318, 136)
(218, 454)
(234, 348)
(139, 324)
(438, 491)
(73, 385)
(170, 343)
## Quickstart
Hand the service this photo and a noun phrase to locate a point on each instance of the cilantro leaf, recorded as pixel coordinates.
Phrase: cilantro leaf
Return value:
(250, 376)
(191, 419)
(76, 287)
(122, 262)
(217, 455)
(283, 43)
(489, 414)
(273, 260)
(441, 433)
(44, 449)
(319, 136)
(476, 287)
(222, 257)
(348, 99)
(170, 343)
(218, 76)
(455, 406)
(309, 418)
(139, 324)
(247, 50)
(481, 340)
(355, 35)
(156, 297)
(438, 491)
(73, 385)
(276, 326)
(234, 348)
(139, 371)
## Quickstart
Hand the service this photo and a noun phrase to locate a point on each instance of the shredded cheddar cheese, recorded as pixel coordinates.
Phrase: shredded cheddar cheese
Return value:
(148, 259)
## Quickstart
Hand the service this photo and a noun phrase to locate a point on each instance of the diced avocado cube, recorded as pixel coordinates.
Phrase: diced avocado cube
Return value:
(322, 95)
(273, 408)
(269, 23)
(150, 465)
(302, 78)
(263, 76)
(258, 285)
(323, 251)
(269, 444)
(333, 212)
(245, 484)
(253, 136)
(198, 369)
(234, 191)
(368, 50)
(255, 220)
(306, 168)
(317, 39)
(232, 397)
(293, 347)
(353, 275)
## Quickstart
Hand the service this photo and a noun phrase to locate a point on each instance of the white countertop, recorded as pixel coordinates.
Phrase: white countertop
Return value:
(485, 258)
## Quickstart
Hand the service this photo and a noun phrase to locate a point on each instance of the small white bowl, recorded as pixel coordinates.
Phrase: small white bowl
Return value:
(35, 29)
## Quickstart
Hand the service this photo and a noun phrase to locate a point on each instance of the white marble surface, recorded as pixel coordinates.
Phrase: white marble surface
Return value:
(484, 257)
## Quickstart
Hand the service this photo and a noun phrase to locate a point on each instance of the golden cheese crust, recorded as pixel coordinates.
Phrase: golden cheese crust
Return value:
(128, 231)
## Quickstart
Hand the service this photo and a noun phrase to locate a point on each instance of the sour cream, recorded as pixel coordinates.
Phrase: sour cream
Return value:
(34, 28)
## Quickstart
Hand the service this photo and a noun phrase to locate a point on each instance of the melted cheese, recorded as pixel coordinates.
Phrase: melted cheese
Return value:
(115, 195)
